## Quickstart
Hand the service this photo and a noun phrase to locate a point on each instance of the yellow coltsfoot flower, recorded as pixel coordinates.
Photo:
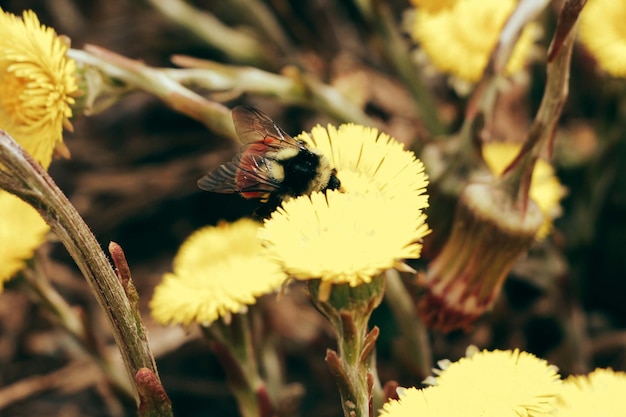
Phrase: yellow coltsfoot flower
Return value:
(218, 271)
(342, 238)
(601, 393)
(602, 32)
(434, 6)
(459, 39)
(484, 384)
(371, 224)
(37, 84)
(22, 230)
(369, 161)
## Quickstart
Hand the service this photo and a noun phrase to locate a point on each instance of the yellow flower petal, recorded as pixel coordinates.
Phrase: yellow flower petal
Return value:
(36, 84)
(545, 189)
(601, 393)
(429, 402)
(369, 161)
(434, 6)
(343, 238)
(507, 383)
(22, 230)
(460, 39)
(217, 271)
(602, 32)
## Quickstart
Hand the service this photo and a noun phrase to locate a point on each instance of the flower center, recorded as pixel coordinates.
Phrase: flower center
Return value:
(28, 98)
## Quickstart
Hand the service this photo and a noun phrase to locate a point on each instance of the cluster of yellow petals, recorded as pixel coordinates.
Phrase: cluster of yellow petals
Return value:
(601, 30)
(488, 384)
(600, 393)
(459, 39)
(373, 223)
(218, 271)
(511, 384)
(22, 230)
(37, 83)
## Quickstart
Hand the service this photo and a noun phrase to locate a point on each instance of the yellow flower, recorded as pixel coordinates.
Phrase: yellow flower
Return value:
(217, 271)
(36, 84)
(368, 161)
(370, 225)
(545, 189)
(602, 32)
(343, 238)
(601, 393)
(434, 6)
(430, 402)
(459, 40)
(22, 230)
(505, 383)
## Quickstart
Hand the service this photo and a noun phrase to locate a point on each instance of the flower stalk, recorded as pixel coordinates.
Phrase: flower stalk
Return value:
(379, 15)
(115, 69)
(292, 86)
(237, 45)
(22, 176)
(348, 309)
(232, 343)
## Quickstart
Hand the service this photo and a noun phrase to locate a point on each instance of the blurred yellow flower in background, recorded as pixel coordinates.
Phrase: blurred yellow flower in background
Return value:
(217, 271)
(545, 189)
(601, 393)
(602, 32)
(22, 231)
(434, 6)
(459, 40)
(37, 84)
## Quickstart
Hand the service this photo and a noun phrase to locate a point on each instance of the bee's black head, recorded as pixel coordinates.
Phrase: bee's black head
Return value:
(333, 182)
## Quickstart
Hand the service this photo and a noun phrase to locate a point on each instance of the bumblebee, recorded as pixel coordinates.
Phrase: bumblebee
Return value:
(271, 166)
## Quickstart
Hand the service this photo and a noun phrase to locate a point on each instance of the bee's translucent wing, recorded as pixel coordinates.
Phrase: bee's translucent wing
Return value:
(223, 179)
(248, 174)
(252, 125)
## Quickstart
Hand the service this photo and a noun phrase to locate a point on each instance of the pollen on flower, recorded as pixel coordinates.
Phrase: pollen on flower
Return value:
(343, 237)
(460, 39)
(218, 271)
(601, 30)
(22, 230)
(37, 84)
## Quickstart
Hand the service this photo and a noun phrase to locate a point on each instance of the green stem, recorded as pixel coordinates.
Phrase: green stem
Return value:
(235, 44)
(517, 176)
(349, 309)
(22, 176)
(293, 86)
(397, 53)
(154, 81)
(232, 343)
